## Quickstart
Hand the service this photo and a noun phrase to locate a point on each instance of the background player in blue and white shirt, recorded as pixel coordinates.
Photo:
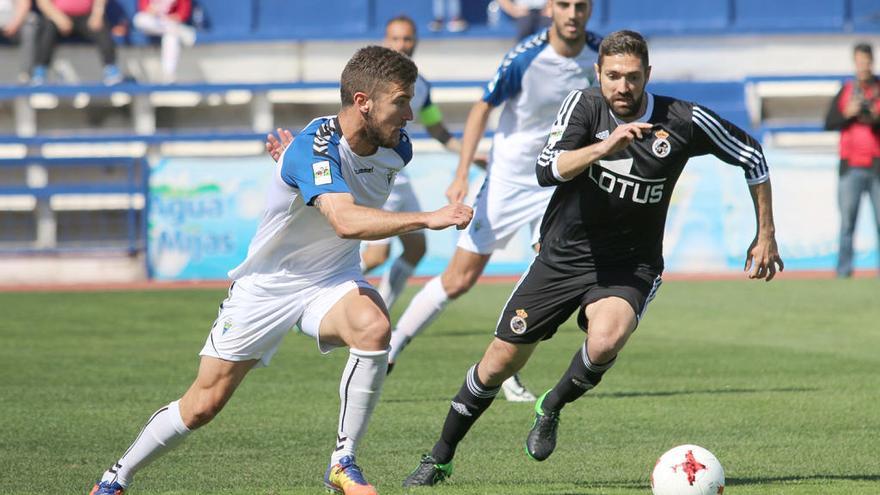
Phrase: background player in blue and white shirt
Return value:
(303, 268)
(531, 81)
(401, 35)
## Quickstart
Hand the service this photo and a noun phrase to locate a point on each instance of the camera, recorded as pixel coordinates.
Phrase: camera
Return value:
(865, 108)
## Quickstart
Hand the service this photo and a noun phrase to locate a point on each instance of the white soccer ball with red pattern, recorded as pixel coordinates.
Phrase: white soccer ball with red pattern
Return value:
(687, 470)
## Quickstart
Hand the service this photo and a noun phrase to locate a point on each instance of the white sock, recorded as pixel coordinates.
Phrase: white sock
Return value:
(359, 391)
(394, 280)
(425, 306)
(163, 431)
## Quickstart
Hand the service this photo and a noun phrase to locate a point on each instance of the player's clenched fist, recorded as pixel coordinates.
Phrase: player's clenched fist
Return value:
(452, 214)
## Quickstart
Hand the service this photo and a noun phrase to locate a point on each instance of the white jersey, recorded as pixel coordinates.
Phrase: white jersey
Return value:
(533, 80)
(294, 240)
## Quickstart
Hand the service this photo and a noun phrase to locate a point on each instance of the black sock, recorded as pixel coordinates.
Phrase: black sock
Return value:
(580, 377)
(467, 406)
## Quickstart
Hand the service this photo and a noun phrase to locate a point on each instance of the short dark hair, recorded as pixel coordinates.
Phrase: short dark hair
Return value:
(624, 42)
(403, 18)
(372, 67)
(864, 48)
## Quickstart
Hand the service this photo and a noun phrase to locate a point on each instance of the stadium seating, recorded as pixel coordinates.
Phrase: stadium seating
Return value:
(671, 16)
(807, 16)
(865, 15)
(309, 18)
(225, 21)
(420, 12)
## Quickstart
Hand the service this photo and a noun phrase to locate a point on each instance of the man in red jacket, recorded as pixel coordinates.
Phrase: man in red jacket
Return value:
(855, 111)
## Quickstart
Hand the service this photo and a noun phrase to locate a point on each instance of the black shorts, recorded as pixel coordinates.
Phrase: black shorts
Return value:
(546, 297)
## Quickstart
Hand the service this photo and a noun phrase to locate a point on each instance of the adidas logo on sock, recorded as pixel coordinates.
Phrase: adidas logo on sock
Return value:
(461, 409)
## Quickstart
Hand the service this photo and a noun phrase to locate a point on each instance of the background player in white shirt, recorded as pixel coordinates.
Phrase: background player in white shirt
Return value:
(401, 35)
(302, 268)
(531, 81)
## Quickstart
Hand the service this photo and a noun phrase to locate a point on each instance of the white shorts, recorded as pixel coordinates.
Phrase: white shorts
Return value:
(500, 210)
(254, 318)
(402, 198)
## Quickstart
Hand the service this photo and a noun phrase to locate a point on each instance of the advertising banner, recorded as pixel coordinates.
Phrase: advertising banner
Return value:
(203, 212)
(202, 215)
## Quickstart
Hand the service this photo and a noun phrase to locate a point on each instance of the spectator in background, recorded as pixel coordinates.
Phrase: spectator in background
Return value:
(531, 16)
(167, 18)
(19, 24)
(67, 17)
(448, 11)
(855, 112)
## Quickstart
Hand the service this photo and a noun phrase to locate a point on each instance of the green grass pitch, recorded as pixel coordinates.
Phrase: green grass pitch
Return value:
(781, 381)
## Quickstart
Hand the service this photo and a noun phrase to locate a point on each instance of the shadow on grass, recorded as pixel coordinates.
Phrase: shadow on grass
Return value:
(770, 480)
(627, 395)
(718, 391)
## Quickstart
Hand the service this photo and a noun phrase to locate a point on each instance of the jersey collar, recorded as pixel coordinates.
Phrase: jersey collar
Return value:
(649, 110)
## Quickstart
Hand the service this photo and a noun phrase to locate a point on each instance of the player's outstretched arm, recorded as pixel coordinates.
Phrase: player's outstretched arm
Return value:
(352, 221)
(275, 145)
(474, 128)
(762, 258)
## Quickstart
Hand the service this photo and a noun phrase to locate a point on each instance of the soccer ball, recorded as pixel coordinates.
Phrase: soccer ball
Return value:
(687, 470)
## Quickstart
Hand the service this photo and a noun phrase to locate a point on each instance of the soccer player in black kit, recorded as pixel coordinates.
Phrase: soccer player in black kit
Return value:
(614, 155)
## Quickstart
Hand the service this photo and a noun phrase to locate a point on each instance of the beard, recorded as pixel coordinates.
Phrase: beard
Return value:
(374, 133)
(569, 40)
(632, 109)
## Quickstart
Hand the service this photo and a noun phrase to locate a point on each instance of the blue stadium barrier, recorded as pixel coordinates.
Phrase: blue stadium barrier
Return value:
(156, 138)
(135, 182)
(726, 98)
(11, 91)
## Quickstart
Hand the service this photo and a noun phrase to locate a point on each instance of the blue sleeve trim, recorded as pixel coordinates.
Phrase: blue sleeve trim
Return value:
(312, 164)
(507, 82)
(404, 147)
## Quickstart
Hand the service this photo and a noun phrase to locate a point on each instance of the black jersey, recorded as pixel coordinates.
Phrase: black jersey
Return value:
(612, 216)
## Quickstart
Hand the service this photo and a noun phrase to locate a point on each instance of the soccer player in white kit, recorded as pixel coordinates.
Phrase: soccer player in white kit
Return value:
(531, 81)
(401, 35)
(302, 268)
